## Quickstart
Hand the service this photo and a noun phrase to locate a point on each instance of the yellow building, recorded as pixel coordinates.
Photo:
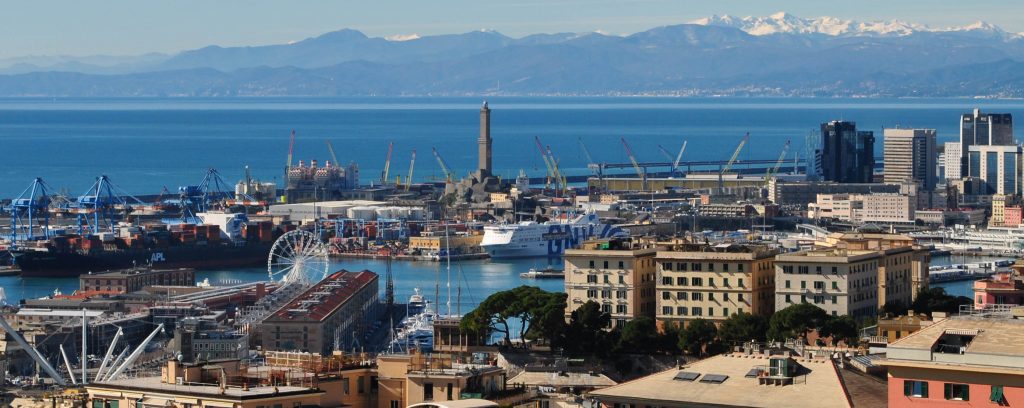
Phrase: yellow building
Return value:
(433, 244)
(903, 257)
(199, 386)
(713, 282)
(619, 274)
(408, 379)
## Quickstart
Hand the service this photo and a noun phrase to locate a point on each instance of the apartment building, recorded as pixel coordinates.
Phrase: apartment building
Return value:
(618, 273)
(839, 281)
(714, 282)
(903, 258)
(887, 208)
(965, 361)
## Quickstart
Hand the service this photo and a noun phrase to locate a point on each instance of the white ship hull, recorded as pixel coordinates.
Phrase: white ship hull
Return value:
(549, 239)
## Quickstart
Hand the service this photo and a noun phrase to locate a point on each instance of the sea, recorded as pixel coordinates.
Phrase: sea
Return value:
(146, 144)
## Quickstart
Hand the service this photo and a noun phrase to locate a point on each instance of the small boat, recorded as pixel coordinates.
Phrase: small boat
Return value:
(416, 303)
(546, 273)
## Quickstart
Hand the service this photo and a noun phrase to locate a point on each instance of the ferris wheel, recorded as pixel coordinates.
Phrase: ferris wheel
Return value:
(298, 257)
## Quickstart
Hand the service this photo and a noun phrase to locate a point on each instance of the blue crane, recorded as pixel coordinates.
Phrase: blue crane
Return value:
(101, 203)
(30, 208)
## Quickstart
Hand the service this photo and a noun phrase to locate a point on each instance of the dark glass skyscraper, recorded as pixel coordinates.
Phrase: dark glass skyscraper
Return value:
(846, 155)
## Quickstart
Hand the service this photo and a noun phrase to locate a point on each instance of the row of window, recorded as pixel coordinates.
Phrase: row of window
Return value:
(593, 263)
(818, 299)
(696, 281)
(697, 266)
(607, 294)
(818, 285)
(818, 269)
(698, 296)
(592, 278)
(693, 311)
(951, 391)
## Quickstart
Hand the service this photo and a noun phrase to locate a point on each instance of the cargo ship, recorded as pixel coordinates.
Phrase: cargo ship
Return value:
(222, 241)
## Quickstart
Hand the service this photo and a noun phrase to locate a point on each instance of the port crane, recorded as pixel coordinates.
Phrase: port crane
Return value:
(559, 177)
(412, 165)
(30, 209)
(387, 164)
(632, 159)
(444, 166)
(101, 202)
(330, 149)
(675, 164)
(547, 162)
(772, 172)
(732, 160)
(291, 150)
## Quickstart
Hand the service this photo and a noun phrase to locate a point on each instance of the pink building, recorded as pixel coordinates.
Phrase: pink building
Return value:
(1000, 289)
(1013, 216)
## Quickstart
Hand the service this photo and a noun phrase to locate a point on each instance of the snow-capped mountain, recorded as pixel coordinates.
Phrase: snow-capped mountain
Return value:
(785, 23)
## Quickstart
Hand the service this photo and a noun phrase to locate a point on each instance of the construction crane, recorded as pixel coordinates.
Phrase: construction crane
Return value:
(387, 164)
(732, 160)
(559, 177)
(444, 166)
(547, 162)
(774, 170)
(586, 153)
(291, 150)
(632, 159)
(675, 164)
(412, 165)
(330, 149)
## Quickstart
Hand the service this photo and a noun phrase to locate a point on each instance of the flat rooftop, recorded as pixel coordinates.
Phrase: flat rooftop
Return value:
(821, 386)
(992, 342)
(155, 384)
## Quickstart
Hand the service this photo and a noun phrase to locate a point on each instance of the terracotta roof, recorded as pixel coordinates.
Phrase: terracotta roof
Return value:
(321, 300)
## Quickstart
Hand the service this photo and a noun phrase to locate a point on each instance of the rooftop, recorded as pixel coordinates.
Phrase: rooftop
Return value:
(133, 271)
(323, 298)
(155, 384)
(963, 341)
(828, 256)
(561, 380)
(820, 382)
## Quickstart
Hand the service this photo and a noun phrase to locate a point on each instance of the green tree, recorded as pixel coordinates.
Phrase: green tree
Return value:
(640, 335)
(841, 328)
(795, 321)
(743, 327)
(669, 339)
(533, 307)
(698, 337)
(586, 333)
(937, 300)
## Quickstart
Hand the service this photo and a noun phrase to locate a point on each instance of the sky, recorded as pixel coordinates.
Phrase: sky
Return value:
(133, 27)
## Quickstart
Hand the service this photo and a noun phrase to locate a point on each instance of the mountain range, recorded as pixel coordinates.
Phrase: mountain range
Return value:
(777, 55)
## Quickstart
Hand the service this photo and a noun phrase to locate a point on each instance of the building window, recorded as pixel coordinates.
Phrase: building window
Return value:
(696, 296)
(997, 395)
(666, 266)
(681, 266)
(591, 278)
(592, 293)
(667, 280)
(725, 312)
(666, 295)
(450, 389)
(835, 270)
(725, 297)
(606, 280)
(681, 281)
(695, 266)
(666, 310)
(740, 282)
(835, 299)
(680, 295)
(835, 285)
(620, 309)
(819, 285)
(711, 311)
(696, 311)
(956, 392)
(606, 294)
(605, 264)
(725, 267)
(711, 267)
(711, 281)
(622, 265)
(803, 284)
(622, 279)
(620, 294)
(428, 391)
(681, 310)
(787, 284)
(711, 296)
(606, 308)
(917, 389)
(697, 282)
(739, 267)
(788, 299)
(591, 265)
(394, 404)
(740, 296)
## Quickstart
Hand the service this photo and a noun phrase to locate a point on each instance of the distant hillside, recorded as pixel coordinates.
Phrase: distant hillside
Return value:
(777, 55)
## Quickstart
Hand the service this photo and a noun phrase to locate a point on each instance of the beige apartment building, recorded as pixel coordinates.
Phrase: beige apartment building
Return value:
(903, 258)
(713, 282)
(619, 274)
(890, 208)
(842, 282)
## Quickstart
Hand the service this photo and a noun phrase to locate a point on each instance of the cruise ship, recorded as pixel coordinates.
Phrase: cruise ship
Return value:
(548, 239)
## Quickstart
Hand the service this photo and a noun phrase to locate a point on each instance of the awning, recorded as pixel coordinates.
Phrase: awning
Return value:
(962, 332)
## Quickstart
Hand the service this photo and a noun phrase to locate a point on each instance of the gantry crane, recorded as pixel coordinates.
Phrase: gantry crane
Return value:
(28, 210)
(547, 162)
(732, 160)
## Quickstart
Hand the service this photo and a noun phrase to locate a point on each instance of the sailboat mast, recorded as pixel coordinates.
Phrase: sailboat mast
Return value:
(448, 260)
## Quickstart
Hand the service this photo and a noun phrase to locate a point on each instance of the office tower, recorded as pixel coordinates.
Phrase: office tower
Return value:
(910, 156)
(998, 166)
(952, 155)
(979, 129)
(846, 155)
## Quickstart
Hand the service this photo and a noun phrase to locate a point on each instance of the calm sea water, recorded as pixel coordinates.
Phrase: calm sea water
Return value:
(146, 144)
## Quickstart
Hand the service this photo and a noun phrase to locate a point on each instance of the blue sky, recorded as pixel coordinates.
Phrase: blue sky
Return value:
(128, 27)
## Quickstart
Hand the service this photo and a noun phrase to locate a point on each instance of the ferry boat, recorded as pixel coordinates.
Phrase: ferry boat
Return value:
(546, 273)
(528, 239)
